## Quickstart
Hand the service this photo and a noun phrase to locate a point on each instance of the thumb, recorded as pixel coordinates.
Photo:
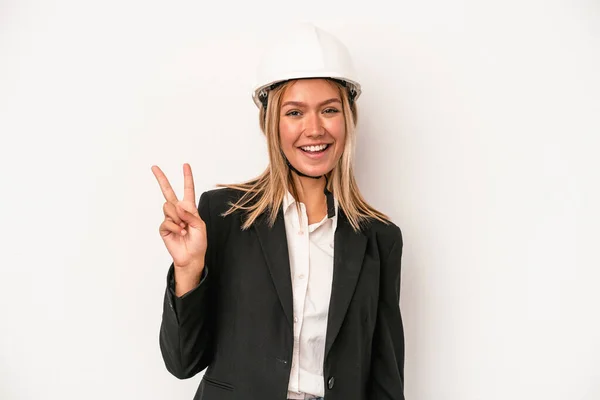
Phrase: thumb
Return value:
(189, 214)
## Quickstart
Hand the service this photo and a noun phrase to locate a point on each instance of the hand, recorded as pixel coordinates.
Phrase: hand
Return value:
(182, 231)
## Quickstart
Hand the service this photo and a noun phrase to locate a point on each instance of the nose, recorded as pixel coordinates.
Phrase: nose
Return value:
(314, 125)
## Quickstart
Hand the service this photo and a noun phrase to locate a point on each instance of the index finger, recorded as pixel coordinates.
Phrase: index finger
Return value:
(189, 193)
(165, 186)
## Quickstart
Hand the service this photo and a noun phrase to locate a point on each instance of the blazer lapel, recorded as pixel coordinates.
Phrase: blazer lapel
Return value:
(348, 253)
(273, 242)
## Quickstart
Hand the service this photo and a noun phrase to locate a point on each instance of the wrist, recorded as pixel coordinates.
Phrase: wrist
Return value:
(187, 278)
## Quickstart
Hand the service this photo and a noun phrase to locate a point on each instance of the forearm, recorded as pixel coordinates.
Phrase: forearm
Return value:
(387, 365)
(186, 329)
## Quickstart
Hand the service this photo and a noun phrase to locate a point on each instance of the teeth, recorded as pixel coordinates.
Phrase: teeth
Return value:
(314, 148)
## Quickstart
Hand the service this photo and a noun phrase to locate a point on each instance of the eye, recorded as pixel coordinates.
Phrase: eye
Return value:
(293, 113)
(330, 111)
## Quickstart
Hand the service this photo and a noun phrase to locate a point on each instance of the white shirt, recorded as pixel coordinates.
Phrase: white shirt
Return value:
(310, 249)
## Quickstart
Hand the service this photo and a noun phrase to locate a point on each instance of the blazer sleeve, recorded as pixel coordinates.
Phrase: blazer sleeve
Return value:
(187, 322)
(387, 362)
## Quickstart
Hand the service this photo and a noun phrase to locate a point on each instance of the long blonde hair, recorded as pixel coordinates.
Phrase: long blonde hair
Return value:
(265, 193)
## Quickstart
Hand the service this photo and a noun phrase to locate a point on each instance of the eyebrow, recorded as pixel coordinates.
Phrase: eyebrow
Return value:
(300, 104)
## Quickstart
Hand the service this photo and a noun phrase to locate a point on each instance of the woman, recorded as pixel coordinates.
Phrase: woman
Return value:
(287, 286)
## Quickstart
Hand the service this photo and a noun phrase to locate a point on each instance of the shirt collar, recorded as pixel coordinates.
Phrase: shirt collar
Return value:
(288, 200)
(332, 204)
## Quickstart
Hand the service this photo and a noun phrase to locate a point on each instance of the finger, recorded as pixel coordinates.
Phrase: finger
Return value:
(189, 207)
(165, 186)
(169, 227)
(192, 219)
(189, 193)
(171, 212)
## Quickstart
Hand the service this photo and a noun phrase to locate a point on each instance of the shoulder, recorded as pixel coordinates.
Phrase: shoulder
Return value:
(221, 197)
(387, 235)
(218, 201)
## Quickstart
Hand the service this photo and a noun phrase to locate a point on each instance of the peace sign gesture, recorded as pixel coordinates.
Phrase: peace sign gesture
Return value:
(182, 231)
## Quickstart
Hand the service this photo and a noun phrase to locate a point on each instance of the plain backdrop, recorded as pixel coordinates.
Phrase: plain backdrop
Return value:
(479, 133)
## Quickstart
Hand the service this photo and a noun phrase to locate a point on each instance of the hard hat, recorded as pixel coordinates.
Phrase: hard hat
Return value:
(305, 51)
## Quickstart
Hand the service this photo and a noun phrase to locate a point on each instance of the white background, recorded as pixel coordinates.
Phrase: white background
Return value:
(478, 135)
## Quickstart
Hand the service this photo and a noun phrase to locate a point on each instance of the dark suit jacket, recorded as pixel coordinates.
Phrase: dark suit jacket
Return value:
(238, 320)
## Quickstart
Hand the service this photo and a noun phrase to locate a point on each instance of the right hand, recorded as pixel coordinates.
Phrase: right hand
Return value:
(182, 231)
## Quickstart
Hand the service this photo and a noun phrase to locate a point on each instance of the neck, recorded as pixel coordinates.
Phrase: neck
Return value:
(311, 192)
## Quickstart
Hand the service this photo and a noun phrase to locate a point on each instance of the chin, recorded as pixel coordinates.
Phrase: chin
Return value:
(312, 171)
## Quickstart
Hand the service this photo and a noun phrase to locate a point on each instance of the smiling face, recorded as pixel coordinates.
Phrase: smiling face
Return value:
(312, 127)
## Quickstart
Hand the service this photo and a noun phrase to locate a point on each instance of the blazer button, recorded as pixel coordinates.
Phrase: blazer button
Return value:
(331, 382)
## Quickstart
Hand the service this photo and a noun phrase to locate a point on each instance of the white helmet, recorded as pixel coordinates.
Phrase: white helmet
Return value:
(305, 52)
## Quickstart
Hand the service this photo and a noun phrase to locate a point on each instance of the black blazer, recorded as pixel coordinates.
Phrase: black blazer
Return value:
(238, 320)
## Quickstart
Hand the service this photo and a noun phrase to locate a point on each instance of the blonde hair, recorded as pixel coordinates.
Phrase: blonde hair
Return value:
(266, 192)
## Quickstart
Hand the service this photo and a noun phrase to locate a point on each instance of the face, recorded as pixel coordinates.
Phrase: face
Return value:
(312, 127)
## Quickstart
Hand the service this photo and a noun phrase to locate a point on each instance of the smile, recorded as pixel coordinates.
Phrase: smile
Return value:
(314, 149)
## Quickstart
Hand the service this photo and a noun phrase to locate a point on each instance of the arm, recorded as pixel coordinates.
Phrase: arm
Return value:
(187, 321)
(387, 360)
